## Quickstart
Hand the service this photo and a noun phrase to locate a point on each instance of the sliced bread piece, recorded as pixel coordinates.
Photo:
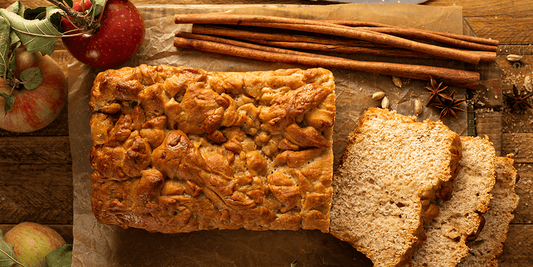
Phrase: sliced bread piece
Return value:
(488, 247)
(391, 169)
(460, 219)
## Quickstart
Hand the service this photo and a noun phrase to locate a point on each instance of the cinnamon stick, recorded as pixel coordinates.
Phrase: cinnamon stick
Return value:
(235, 19)
(380, 52)
(319, 43)
(484, 56)
(273, 47)
(241, 44)
(328, 28)
(248, 33)
(304, 42)
(379, 38)
(468, 38)
(428, 36)
(462, 78)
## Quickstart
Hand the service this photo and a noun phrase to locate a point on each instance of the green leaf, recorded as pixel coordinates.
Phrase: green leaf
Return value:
(5, 42)
(17, 8)
(60, 257)
(35, 35)
(97, 10)
(31, 78)
(14, 37)
(7, 255)
(99, 2)
(98, 6)
(35, 13)
(54, 15)
(12, 65)
(9, 102)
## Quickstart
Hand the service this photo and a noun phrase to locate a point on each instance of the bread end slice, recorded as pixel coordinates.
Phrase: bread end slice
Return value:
(391, 170)
(460, 219)
(488, 247)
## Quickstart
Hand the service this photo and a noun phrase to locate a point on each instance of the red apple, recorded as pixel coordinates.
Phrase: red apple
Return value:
(32, 242)
(113, 42)
(34, 109)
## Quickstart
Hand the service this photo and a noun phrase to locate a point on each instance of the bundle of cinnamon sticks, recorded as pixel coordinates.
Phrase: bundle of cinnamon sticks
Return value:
(304, 41)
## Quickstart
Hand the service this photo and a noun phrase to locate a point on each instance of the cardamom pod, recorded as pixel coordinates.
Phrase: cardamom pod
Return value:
(385, 102)
(418, 107)
(378, 95)
(397, 81)
(514, 58)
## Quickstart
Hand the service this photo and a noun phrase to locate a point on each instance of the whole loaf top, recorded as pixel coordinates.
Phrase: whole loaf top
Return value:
(180, 149)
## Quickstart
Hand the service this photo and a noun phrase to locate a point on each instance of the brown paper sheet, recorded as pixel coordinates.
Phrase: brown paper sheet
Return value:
(101, 245)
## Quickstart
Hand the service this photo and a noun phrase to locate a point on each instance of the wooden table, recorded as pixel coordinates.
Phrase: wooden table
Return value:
(36, 168)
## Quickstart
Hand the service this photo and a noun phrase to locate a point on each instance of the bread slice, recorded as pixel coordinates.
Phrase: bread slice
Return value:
(488, 247)
(391, 169)
(460, 219)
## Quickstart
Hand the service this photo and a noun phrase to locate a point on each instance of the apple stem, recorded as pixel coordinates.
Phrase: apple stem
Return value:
(15, 85)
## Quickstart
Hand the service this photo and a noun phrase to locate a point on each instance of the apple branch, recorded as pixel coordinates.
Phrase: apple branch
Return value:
(81, 21)
(71, 12)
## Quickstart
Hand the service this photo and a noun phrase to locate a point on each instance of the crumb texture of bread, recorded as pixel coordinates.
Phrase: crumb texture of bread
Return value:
(488, 247)
(180, 149)
(389, 173)
(460, 219)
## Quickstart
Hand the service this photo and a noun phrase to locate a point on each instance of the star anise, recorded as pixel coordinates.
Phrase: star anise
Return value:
(449, 106)
(436, 91)
(518, 100)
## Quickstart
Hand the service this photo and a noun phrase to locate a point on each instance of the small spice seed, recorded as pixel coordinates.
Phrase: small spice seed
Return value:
(385, 102)
(514, 57)
(378, 95)
(418, 107)
(397, 81)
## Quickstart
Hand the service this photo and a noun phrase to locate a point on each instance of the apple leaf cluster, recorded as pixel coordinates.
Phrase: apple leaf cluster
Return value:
(60, 257)
(37, 30)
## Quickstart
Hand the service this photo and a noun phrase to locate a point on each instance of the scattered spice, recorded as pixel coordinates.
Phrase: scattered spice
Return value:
(514, 57)
(528, 84)
(518, 100)
(378, 95)
(449, 106)
(418, 107)
(385, 103)
(397, 81)
(436, 91)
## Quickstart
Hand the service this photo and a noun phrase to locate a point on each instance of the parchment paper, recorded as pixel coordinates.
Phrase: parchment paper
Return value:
(100, 245)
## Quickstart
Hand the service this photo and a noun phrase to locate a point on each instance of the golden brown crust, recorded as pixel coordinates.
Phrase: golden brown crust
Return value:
(179, 149)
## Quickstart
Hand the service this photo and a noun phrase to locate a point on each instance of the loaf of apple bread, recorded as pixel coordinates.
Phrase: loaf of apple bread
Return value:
(180, 149)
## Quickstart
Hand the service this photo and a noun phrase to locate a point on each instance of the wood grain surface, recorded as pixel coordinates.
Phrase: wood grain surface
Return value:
(36, 168)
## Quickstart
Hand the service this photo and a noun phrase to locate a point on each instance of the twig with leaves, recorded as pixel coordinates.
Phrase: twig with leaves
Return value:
(37, 30)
